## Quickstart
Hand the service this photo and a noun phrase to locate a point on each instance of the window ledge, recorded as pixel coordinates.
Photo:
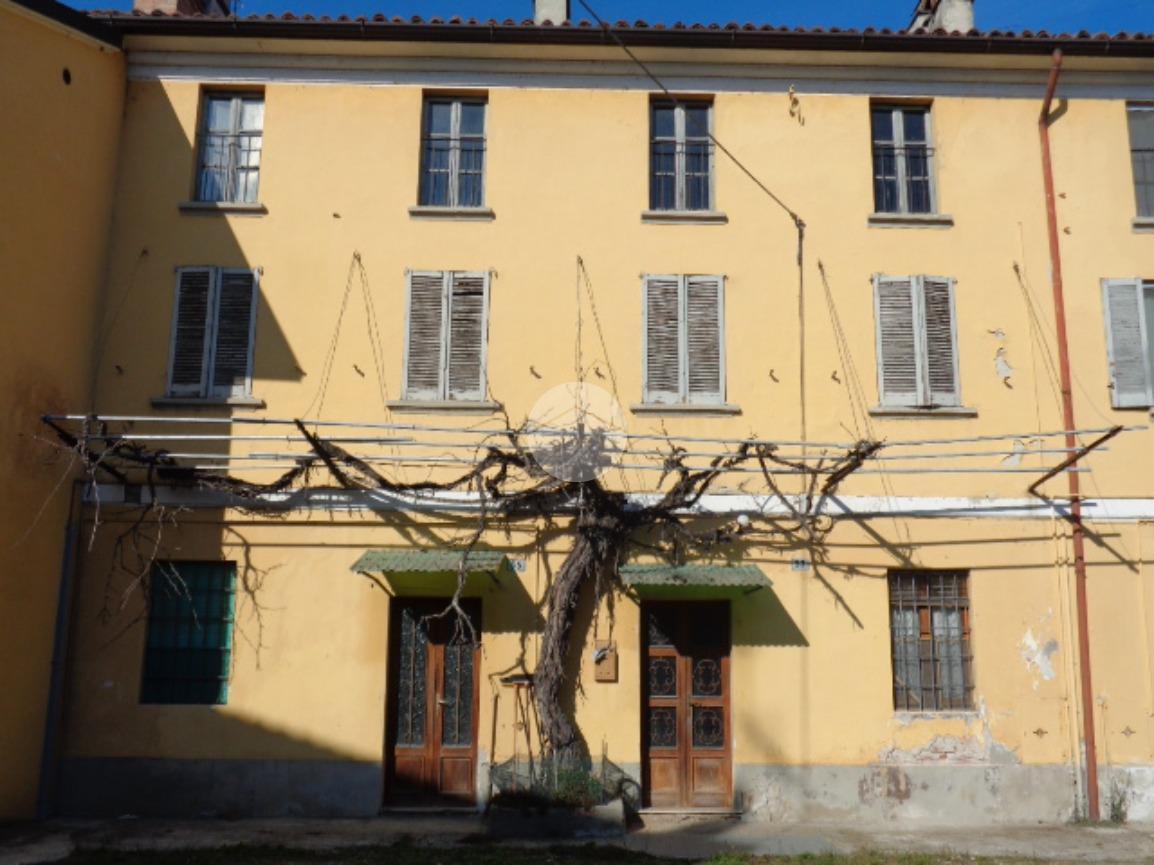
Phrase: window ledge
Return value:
(443, 405)
(222, 207)
(911, 411)
(685, 408)
(910, 220)
(475, 214)
(684, 217)
(906, 716)
(1144, 225)
(207, 402)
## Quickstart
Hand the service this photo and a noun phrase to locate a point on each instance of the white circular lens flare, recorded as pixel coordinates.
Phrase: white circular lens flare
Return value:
(576, 431)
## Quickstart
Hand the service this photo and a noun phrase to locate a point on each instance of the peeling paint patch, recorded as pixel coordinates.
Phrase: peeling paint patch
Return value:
(1038, 655)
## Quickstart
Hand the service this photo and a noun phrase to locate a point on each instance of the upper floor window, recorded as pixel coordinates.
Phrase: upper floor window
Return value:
(231, 137)
(1130, 341)
(681, 155)
(917, 342)
(447, 334)
(453, 152)
(903, 159)
(213, 333)
(684, 341)
(188, 655)
(1142, 156)
(930, 640)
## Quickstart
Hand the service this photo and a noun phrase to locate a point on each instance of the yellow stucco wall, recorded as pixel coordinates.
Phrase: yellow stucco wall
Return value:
(59, 159)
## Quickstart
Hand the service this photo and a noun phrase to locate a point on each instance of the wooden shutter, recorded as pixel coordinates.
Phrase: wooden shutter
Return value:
(1126, 341)
(190, 319)
(232, 347)
(424, 347)
(897, 341)
(466, 372)
(662, 339)
(940, 333)
(704, 352)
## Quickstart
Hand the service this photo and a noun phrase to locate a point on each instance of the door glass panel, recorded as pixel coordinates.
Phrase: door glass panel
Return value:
(708, 727)
(662, 677)
(457, 694)
(660, 628)
(411, 700)
(663, 728)
(707, 677)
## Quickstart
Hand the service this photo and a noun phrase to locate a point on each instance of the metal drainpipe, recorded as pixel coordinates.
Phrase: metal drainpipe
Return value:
(1088, 737)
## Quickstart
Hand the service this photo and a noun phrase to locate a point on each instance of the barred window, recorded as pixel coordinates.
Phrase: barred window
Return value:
(681, 156)
(1142, 156)
(189, 648)
(930, 633)
(231, 139)
(453, 153)
(903, 159)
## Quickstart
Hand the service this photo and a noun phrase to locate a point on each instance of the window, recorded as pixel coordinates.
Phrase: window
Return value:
(681, 156)
(684, 356)
(1142, 156)
(930, 635)
(917, 342)
(453, 153)
(1130, 340)
(445, 349)
(212, 333)
(231, 137)
(189, 650)
(903, 159)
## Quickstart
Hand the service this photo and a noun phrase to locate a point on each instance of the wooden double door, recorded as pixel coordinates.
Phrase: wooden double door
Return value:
(686, 730)
(433, 705)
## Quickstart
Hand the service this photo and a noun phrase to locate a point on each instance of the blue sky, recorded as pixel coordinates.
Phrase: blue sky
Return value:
(1053, 15)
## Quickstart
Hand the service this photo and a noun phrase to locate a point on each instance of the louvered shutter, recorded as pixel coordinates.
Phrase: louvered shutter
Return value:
(897, 341)
(662, 339)
(703, 339)
(423, 350)
(467, 337)
(189, 332)
(232, 348)
(941, 351)
(1126, 340)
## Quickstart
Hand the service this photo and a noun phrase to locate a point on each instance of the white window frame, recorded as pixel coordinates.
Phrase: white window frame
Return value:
(683, 397)
(454, 139)
(679, 144)
(923, 399)
(208, 357)
(1133, 108)
(236, 100)
(1140, 286)
(447, 278)
(900, 158)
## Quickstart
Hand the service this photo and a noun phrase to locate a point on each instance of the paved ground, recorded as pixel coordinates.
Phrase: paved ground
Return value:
(667, 837)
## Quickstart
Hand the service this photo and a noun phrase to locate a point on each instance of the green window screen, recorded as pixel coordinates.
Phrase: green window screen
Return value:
(190, 618)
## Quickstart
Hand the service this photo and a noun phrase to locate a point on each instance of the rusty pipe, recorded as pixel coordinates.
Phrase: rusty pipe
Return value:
(1089, 743)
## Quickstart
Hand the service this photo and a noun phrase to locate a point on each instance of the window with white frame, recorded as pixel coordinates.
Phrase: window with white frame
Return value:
(231, 139)
(917, 342)
(445, 350)
(681, 155)
(213, 331)
(1129, 307)
(684, 339)
(453, 152)
(903, 157)
(1141, 119)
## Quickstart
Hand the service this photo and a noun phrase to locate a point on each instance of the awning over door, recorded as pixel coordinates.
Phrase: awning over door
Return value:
(707, 579)
(417, 561)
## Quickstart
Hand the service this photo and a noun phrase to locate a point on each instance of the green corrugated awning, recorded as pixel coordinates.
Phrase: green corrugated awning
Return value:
(410, 561)
(695, 576)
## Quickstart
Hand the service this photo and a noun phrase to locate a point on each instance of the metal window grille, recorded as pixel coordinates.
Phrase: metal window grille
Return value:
(930, 633)
(232, 135)
(189, 646)
(903, 160)
(453, 153)
(1142, 156)
(681, 156)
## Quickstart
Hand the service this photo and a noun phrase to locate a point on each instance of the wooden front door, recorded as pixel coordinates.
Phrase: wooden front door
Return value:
(686, 738)
(433, 702)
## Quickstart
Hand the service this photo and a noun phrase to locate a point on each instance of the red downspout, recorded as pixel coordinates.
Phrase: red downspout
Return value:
(1088, 738)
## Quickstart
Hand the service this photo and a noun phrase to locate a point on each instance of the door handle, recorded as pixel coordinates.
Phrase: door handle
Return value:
(441, 701)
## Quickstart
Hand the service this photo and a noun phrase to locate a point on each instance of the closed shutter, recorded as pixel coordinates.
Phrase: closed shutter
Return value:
(467, 337)
(232, 352)
(1126, 340)
(423, 351)
(703, 338)
(941, 354)
(190, 331)
(662, 339)
(897, 341)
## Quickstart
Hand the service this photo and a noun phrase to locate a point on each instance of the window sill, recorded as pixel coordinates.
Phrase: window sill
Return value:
(721, 408)
(1144, 225)
(444, 405)
(910, 220)
(906, 716)
(207, 402)
(684, 217)
(469, 214)
(254, 208)
(910, 412)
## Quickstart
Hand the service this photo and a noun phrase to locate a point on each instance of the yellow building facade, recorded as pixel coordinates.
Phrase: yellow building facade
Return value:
(305, 212)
